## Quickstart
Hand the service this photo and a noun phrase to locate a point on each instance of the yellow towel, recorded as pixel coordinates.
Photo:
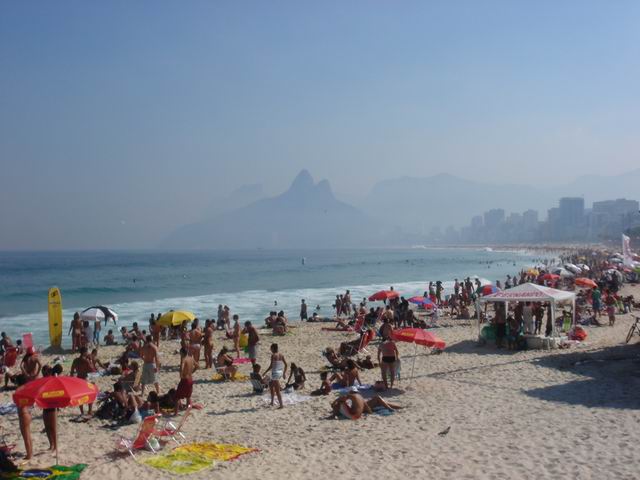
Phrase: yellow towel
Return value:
(179, 462)
(214, 451)
(238, 377)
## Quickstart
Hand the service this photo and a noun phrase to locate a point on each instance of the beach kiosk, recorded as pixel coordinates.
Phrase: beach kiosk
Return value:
(531, 292)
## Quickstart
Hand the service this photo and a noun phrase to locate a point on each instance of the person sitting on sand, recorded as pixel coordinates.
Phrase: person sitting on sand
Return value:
(256, 376)
(225, 364)
(185, 386)
(280, 324)
(30, 365)
(95, 361)
(352, 405)
(333, 358)
(109, 339)
(325, 386)
(131, 378)
(278, 368)
(387, 357)
(366, 364)
(349, 377)
(299, 378)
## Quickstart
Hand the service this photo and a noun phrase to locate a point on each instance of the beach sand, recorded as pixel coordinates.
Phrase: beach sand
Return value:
(533, 414)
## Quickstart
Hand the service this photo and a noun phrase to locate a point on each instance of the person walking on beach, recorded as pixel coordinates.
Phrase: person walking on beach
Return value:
(278, 368)
(151, 365)
(303, 311)
(185, 387)
(252, 341)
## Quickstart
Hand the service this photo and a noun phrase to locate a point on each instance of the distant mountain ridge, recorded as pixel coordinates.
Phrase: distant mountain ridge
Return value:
(306, 215)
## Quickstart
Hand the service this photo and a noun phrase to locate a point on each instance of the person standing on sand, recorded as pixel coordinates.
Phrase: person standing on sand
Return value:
(75, 330)
(24, 419)
(278, 369)
(236, 335)
(303, 311)
(387, 358)
(155, 329)
(81, 367)
(195, 340)
(30, 365)
(208, 344)
(185, 387)
(253, 340)
(151, 365)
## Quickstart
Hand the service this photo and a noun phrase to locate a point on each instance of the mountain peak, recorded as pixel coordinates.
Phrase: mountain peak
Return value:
(303, 181)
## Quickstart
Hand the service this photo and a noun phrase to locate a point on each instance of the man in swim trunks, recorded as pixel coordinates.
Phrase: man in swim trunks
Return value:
(151, 365)
(253, 340)
(303, 311)
(185, 387)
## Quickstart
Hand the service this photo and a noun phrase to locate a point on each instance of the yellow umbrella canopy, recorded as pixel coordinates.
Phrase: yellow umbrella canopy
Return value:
(533, 271)
(175, 318)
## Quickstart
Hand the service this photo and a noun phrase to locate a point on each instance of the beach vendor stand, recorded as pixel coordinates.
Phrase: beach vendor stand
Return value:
(530, 292)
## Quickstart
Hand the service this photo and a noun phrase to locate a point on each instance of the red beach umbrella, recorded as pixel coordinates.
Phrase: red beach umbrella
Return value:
(489, 290)
(551, 276)
(383, 295)
(56, 392)
(426, 302)
(585, 282)
(417, 336)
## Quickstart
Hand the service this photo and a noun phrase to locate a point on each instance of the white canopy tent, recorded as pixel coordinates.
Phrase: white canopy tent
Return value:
(530, 292)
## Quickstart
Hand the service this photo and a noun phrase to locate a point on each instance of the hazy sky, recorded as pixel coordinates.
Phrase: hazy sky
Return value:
(121, 120)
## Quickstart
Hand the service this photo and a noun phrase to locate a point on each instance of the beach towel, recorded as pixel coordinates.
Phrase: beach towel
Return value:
(8, 408)
(240, 361)
(195, 457)
(58, 472)
(288, 398)
(336, 329)
(343, 390)
(238, 377)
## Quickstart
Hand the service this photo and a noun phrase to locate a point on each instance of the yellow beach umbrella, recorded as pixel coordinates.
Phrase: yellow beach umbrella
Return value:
(175, 318)
(533, 271)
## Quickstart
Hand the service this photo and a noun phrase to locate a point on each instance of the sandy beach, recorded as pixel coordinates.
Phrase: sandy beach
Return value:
(532, 414)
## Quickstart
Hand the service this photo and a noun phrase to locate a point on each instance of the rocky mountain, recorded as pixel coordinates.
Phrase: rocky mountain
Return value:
(306, 215)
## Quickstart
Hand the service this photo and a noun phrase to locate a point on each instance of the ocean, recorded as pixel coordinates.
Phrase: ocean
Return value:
(136, 284)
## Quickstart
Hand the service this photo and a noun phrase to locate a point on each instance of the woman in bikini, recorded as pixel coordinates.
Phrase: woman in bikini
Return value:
(278, 369)
(387, 357)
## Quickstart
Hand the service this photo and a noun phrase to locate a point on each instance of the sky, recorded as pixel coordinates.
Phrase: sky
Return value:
(120, 121)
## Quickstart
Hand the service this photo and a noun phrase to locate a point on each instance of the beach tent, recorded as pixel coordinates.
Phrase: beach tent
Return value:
(530, 292)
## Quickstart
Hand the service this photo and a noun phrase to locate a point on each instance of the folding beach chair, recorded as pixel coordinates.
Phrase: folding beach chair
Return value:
(359, 323)
(172, 431)
(365, 340)
(142, 439)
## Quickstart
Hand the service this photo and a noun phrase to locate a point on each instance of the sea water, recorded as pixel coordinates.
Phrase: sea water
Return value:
(251, 283)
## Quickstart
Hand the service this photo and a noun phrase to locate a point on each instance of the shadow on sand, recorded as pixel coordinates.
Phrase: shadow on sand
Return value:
(612, 378)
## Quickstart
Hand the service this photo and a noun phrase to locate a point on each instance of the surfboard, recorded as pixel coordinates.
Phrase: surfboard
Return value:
(55, 317)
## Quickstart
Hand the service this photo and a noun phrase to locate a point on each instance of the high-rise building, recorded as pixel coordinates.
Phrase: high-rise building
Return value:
(530, 220)
(494, 218)
(571, 211)
(477, 222)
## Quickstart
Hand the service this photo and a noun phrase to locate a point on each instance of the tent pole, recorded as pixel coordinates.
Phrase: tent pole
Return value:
(413, 366)
(56, 439)
(574, 312)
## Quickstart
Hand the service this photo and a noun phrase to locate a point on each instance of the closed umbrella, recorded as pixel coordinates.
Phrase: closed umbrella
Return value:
(175, 318)
(56, 392)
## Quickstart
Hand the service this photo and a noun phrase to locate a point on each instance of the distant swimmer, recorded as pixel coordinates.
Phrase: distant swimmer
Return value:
(303, 260)
(134, 280)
